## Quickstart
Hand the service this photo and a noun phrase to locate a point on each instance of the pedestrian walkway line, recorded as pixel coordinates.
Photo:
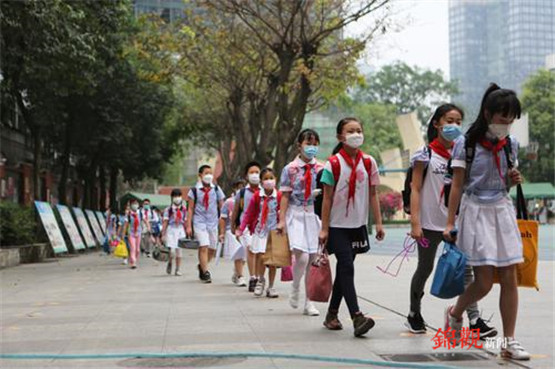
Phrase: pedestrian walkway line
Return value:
(488, 352)
(221, 355)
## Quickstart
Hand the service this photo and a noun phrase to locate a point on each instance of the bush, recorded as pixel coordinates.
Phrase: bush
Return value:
(17, 224)
(390, 203)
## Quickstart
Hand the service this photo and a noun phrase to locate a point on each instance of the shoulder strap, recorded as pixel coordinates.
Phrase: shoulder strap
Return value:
(368, 165)
(335, 167)
(469, 152)
(242, 198)
(194, 190)
(508, 153)
(278, 204)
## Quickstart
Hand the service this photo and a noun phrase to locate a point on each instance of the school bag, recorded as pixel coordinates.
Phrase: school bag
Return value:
(216, 188)
(408, 181)
(469, 157)
(241, 206)
(336, 170)
(448, 279)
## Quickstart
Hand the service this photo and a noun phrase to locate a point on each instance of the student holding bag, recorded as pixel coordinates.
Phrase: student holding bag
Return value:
(484, 168)
(350, 179)
(429, 214)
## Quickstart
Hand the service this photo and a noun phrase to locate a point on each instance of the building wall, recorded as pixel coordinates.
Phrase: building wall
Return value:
(501, 41)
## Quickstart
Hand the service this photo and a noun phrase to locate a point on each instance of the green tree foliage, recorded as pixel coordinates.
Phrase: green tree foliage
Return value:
(538, 100)
(408, 88)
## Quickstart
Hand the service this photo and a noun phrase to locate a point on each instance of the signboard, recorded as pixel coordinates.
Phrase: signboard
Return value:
(84, 226)
(95, 226)
(101, 220)
(71, 227)
(51, 227)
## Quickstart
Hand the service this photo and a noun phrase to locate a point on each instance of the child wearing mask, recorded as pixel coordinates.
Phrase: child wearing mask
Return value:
(261, 217)
(350, 179)
(484, 167)
(298, 183)
(148, 216)
(232, 248)
(242, 200)
(204, 203)
(133, 223)
(429, 214)
(173, 229)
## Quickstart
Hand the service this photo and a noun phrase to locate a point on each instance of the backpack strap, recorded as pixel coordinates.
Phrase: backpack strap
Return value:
(469, 152)
(368, 165)
(194, 190)
(335, 167)
(278, 204)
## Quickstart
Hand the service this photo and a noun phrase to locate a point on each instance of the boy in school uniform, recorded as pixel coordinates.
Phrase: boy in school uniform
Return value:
(204, 203)
(150, 217)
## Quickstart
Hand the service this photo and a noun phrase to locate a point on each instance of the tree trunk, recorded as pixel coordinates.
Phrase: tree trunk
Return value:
(62, 186)
(37, 163)
(113, 189)
(102, 186)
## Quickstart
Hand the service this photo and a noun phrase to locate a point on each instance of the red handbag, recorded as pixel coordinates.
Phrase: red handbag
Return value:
(319, 280)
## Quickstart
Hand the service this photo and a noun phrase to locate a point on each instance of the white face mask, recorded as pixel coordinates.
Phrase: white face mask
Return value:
(254, 178)
(269, 184)
(134, 207)
(499, 131)
(354, 140)
(177, 200)
(207, 179)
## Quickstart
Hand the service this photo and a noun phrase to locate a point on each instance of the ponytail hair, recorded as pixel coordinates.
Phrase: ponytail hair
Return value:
(339, 130)
(495, 100)
(438, 114)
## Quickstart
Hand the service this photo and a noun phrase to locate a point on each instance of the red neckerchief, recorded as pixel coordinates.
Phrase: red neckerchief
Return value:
(135, 221)
(308, 181)
(206, 199)
(488, 145)
(264, 211)
(439, 149)
(353, 178)
(178, 215)
(145, 215)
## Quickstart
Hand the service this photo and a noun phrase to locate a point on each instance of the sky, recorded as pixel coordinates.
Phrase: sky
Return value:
(423, 38)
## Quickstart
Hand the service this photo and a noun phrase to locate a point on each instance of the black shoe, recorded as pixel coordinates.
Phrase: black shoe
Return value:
(362, 324)
(416, 324)
(200, 273)
(252, 284)
(485, 330)
(206, 277)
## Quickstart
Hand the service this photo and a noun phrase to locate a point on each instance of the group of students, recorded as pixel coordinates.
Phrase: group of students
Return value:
(345, 187)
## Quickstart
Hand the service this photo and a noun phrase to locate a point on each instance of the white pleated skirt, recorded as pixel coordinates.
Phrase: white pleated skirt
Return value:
(259, 243)
(173, 235)
(488, 233)
(303, 228)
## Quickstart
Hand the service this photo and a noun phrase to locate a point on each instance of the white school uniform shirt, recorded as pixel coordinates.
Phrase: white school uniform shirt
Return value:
(433, 213)
(359, 208)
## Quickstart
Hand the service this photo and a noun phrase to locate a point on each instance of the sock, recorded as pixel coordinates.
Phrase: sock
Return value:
(474, 321)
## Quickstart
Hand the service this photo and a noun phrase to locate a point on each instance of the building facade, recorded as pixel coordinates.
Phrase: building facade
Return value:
(501, 41)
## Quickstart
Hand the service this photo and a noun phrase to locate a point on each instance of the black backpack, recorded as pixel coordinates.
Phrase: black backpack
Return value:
(241, 207)
(217, 189)
(470, 150)
(408, 180)
(318, 200)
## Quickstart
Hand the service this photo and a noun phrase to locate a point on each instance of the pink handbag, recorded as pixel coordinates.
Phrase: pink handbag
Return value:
(319, 280)
(287, 274)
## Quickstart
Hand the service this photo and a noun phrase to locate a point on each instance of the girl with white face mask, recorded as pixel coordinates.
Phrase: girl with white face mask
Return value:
(298, 219)
(133, 226)
(487, 228)
(429, 214)
(261, 217)
(173, 229)
(242, 200)
(350, 180)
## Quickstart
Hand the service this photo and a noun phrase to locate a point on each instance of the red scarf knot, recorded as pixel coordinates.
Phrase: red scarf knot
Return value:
(495, 148)
(353, 177)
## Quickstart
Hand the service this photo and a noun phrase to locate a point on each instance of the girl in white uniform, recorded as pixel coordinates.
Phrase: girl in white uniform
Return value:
(487, 229)
(298, 183)
(429, 214)
(173, 229)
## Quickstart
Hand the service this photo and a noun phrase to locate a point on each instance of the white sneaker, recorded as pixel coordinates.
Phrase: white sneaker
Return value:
(234, 279)
(178, 273)
(514, 350)
(259, 289)
(294, 298)
(241, 282)
(124, 262)
(310, 309)
(453, 323)
(271, 293)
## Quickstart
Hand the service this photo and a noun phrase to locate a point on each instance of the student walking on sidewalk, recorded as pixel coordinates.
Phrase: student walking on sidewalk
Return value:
(350, 179)
(173, 229)
(484, 162)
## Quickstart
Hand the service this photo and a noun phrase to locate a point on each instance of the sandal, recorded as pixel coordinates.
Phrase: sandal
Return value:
(332, 322)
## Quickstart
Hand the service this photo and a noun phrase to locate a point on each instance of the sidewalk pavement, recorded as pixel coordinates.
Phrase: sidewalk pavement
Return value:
(90, 304)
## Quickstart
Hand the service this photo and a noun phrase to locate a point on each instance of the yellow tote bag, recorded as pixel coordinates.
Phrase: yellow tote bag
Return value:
(121, 250)
(526, 271)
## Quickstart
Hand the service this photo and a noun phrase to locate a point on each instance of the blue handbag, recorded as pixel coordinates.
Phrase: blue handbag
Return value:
(449, 276)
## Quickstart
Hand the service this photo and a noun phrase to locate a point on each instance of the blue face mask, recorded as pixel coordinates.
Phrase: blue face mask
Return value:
(310, 151)
(451, 132)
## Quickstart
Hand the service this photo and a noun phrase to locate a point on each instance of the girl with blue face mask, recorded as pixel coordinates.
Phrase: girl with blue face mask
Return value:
(429, 214)
(298, 219)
